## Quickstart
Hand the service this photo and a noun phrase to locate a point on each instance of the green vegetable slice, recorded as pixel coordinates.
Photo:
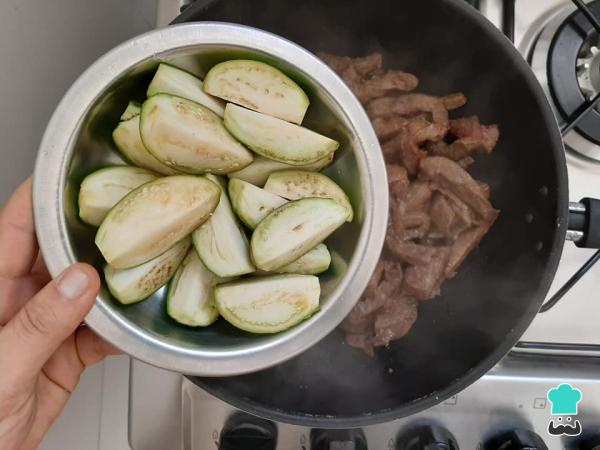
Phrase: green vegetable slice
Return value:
(258, 86)
(293, 229)
(251, 203)
(153, 217)
(172, 80)
(275, 138)
(189, 137)
(221, 242)
(102, 189)
(313, 262)
(129, 142)
(268, 304)
(296, 184)
(260, 169)
(138, 283)
(190, 299)
(133, 109)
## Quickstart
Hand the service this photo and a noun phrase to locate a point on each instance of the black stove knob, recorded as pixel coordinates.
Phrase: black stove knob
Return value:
(517, 440)
(427, 438)
(246, 432)
(353, 439)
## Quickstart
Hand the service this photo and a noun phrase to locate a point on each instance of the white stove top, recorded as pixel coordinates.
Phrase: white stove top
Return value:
(574, 320)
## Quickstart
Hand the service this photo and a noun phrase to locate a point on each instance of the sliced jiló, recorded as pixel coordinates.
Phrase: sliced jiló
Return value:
(275, 138)
(102, 189)
(189, 137)
(154, 217)
(172, 80)
(293, 229)
(251, 203)
(259, 170)
(133, 109)
(129, 142)
(313, 262)
(258, 86)
(221, 242)
(138, 283)
(268, 304)
(190, 299)
(296, 184)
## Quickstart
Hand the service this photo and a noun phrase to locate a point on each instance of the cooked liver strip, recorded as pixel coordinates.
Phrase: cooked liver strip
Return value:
(438, 212)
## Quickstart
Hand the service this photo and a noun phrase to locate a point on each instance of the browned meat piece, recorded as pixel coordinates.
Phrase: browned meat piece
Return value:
(424, 280)
(448, 175)
(465, 162)
(434, 239)
(394, 320)
(396, 225)
(387, 289)
(407, 251)
(403, 149)
(337, 63)
(382, 287)
(417, 197)
(442, 215)
(387, 128)
(363, 66)
(473, 135)
(375, 279)
(356, 321)
(470, 136)
(416, 225)
(410, 104)
(405, 146)
(361, 341)
(422, 130)
(454, 101)
(465, 216)
(465, 243)
(485, 188)
(368, 65)
(366, 78)
(397, 180)
(392, 80)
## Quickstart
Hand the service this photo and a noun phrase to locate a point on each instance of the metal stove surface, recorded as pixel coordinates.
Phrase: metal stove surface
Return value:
(169, 412)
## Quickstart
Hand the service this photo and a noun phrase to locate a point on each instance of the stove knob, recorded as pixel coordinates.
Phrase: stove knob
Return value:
(427, 438)
(517, 440)
(243, 431)
(353, 439)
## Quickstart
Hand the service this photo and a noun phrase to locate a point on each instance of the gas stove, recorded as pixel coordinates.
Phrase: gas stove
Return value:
(510, 407)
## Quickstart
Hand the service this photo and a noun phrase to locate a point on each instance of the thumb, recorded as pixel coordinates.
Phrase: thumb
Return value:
(46, 321)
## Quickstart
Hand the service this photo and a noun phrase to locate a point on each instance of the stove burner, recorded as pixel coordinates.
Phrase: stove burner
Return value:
(588, 67)
(574, 38)
(564, 56)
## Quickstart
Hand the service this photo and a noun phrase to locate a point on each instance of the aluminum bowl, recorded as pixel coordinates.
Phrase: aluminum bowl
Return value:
(78, 141)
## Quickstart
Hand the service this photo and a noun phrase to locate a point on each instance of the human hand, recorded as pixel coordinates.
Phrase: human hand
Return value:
(43, 348)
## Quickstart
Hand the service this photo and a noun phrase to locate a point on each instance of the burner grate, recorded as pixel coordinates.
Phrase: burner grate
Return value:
(581, 112)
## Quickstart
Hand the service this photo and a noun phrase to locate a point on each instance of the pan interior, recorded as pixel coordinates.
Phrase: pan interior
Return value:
(486, 307)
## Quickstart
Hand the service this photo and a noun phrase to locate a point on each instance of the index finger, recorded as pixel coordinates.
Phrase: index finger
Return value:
(18, 243)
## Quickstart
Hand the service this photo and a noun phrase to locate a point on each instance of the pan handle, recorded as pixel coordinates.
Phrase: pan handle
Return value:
(584, 231)
(584, 223)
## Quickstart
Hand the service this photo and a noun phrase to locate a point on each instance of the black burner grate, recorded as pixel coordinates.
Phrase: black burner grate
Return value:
(574, 119)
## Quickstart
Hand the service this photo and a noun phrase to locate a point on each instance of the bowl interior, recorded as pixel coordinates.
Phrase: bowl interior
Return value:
(93, 148)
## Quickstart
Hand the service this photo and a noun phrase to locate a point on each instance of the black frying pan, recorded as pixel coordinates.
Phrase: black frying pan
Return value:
(484, 310)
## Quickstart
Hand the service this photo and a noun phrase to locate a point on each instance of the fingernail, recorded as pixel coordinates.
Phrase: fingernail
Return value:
(72, 283)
